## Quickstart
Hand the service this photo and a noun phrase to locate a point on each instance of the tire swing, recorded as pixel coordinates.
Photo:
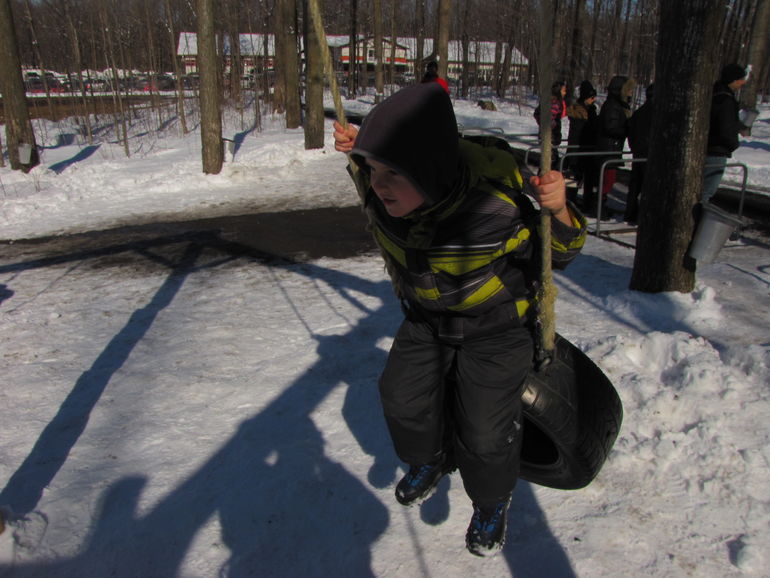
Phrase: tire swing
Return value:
(571, 411)
(571, 418)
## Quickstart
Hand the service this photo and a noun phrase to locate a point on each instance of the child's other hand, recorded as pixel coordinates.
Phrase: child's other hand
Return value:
(344, 138)
(551, 191)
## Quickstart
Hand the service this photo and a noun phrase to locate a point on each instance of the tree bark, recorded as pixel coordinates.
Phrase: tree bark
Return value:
(419, 53)
(575, 72)
(314, 86)
(353, 61)
(212, 151)
(180, 92)
(757, 54)
(379, 81)
(442, 49)
(18, 127)
(291, 63)
(674, 175)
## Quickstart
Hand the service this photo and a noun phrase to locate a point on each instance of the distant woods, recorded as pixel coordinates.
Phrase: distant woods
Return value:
(593, 39)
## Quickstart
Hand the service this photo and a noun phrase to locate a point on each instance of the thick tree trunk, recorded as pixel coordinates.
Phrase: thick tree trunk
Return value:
(18, 127)
(212, 151)
(442, 49)
(291, 62)
(674, 176)
(314, 87)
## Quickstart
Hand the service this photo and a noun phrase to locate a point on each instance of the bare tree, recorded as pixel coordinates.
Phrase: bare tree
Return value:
(379, 81)
(119, 117)
(353, 60)
(575, 70)
(287, 62)
(212, 151)
(18, 128)
(314, 85)
(757, 53)
(441, 43)
(683, 80)
(180, 93)
(419, 53)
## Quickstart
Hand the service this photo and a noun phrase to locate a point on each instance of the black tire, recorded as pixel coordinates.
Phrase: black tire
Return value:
(572, 416)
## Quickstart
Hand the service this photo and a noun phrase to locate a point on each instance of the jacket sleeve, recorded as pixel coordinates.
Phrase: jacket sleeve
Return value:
(566, 241)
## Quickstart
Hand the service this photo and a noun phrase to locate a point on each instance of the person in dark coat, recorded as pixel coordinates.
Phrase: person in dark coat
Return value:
(444, 213)
(431, 75)
(613, 124)
(724, 127)
(639, 142)
(583, 118)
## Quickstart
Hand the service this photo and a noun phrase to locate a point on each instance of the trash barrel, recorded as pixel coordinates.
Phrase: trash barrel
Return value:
(714, 229)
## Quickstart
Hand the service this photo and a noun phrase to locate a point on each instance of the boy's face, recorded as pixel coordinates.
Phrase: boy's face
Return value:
(395, 191)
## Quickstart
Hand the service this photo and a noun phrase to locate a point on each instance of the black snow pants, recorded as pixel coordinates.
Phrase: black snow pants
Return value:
(462, 399)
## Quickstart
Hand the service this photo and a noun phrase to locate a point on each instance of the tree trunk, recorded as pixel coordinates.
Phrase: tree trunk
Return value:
(419, 53)
(379, 81)
(444, 24)
(594, 33)
(180, 96)
(760, 31)
(674, 175)
(118, 115)
(18, 127)
(314, 86)
(392, 67)
(291, 64)
(40, 61)
(575, 72)
(212, 151)
(353, 52)
(465, 42)
(78, 62)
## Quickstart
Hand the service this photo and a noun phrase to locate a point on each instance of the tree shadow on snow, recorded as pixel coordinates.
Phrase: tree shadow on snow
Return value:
(82, 155)
(285, 507)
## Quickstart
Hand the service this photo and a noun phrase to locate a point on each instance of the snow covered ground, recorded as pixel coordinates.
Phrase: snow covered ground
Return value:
(176, 410)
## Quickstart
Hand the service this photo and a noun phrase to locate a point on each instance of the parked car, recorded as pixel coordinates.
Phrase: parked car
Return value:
(97, 85)
(35, 85)
(158, 82)
(191, 81)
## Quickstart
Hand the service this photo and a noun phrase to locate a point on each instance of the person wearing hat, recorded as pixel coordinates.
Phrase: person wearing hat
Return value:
(724, 127)
(449, 218)
(583, 117)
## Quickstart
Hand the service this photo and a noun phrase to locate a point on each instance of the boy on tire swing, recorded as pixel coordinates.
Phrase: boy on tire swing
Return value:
(459, 253)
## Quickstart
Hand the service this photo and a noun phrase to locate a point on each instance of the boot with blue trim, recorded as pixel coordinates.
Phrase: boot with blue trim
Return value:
(420, 482)
(486, 532)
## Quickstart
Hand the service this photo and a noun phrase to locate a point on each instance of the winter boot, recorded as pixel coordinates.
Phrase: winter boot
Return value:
(420, 481)
(486, 532)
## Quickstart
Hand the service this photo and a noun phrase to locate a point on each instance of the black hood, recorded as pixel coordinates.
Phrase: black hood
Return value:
(414, 132)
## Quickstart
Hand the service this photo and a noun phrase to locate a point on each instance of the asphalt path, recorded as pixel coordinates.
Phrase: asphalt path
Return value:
(294, 236)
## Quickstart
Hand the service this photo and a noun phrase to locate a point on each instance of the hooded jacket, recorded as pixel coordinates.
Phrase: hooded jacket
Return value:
(463, 260)
(613, 117)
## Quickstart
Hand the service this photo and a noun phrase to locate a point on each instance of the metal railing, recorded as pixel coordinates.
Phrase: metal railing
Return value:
(644, 160)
